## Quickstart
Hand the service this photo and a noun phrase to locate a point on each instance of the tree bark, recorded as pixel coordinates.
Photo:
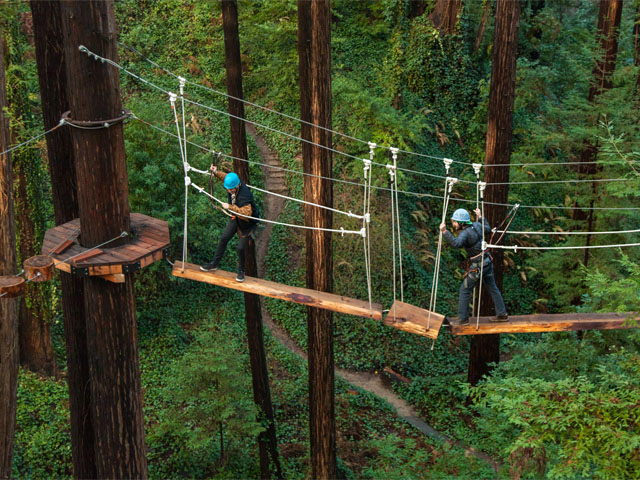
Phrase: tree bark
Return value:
(9, 307)
(485, 349)
(445, 15)
(483, 25)
(314, 52)
(47, 24)
(267, 441)
(609, 16)
(103, 201)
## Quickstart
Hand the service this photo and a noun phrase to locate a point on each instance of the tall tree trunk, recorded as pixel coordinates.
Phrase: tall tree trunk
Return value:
(267, 441)
(34, 337)
(485, 349)
(607, 34)
(9, 307)
(314, 53)
(445, 15)
(483, 25)
(103, 201)
(47, 24)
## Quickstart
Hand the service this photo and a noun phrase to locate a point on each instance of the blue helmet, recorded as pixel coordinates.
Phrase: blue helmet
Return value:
(232, 181)
(461, 215)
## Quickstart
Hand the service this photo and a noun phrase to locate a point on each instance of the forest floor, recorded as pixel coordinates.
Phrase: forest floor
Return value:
(275, 181)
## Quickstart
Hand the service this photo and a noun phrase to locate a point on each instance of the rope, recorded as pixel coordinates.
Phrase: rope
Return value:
(122, 235)
(341, 231)
(83, 49)
(394, 153)
(349, 213)
(613, 232)
(374, 187)
(32, 139)
(187, 180)
(392, 174)
(367, 219)
(93, 124)
(448, 187)
(515, 248)
(340, 134)
(481, 187)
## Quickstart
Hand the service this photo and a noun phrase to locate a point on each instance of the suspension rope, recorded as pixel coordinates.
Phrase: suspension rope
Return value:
(374, 187)
(349, 213)
(612, 232)
(342, 231)
(515, 248)
(448, 187)
(481, 187)
(392, 174)
(394, 153)
(344, 135)
(32, 139)
(368, 174)
(83, 49)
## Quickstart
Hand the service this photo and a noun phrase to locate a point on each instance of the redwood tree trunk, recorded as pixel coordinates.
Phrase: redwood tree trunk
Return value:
(8, 306)
(485, 349)
(314, 52)
(267, 441)
(445, 15)
(103, 201)
(47, 24)
(607, 33)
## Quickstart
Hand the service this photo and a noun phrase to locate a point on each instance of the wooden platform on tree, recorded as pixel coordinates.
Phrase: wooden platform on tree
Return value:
(11, 286)
(258, 286)
(414, 319)
(556, 322)
(150, 238)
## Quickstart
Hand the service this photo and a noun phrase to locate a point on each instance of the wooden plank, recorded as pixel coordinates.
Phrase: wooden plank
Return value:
(304, 296)
(115, 278)
(560, 322)
(62, 246)
(412, 319)
(86, 255)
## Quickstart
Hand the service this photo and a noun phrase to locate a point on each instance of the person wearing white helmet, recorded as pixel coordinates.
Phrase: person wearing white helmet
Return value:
(470, 238)
(242, 205)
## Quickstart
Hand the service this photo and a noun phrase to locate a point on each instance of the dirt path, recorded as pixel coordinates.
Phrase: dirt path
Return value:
(275, 182)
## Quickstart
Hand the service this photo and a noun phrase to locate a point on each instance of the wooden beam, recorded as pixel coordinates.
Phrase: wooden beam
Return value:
(304, 296)
(414, 320)
(114, 278)
(558, 322)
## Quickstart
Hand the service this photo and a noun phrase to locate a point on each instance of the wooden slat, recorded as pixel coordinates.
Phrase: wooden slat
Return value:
(559, 322)
(258, 286)
(62, 246)
(88, 254)
(115, 278)
(409, 318)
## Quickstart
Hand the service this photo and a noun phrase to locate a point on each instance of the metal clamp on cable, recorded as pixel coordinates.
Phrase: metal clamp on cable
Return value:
(476, 168)
(447, 163)
(363, 232)
(187, 181)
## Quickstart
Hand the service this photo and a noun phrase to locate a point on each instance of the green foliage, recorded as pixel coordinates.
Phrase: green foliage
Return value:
(42, 445)
(209, 416)
(573, 415)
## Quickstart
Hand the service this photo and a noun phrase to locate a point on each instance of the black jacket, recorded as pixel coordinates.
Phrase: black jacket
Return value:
(470, 238)
(242, 198)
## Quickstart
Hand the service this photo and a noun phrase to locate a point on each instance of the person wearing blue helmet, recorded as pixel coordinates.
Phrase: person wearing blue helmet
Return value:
(470, 238)
(242, 205)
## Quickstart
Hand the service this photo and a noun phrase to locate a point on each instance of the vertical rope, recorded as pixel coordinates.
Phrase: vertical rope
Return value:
(481, 187)
(392, 174)
(367, 219)
(394, 153)
(476, 169)
(448, 186)
(187, 180)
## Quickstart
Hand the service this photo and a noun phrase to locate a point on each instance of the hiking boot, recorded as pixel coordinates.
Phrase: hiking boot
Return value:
(464, 321)
(209, 267)
(500, 318)
(240, 276)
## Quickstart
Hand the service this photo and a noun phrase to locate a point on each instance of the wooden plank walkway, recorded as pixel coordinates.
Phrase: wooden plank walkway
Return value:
(556, 322)
(409, 318)
(258, 286)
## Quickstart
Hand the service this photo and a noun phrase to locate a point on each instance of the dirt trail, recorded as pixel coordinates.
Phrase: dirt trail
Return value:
(275, 181)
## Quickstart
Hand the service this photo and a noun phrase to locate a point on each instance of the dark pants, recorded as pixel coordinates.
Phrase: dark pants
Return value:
(489, 282)
(243, 242)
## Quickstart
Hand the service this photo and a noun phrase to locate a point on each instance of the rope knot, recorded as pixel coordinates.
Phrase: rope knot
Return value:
(187, 181)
